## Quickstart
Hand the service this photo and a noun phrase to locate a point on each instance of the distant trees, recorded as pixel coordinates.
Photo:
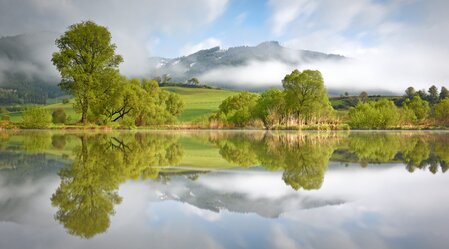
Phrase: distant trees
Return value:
(363, 96)
(193, 81)
(444, 93)
(410, 92)
(433, 96)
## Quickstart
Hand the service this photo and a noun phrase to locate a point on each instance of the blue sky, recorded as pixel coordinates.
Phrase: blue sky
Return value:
(393, 43)
(244, 22)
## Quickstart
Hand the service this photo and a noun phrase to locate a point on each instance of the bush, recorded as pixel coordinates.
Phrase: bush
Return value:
(374, 115)
(442, 110)
(65, 101)
(36, 117)
(59, 116)
(237, 110)
(6, 118)
(3, 110)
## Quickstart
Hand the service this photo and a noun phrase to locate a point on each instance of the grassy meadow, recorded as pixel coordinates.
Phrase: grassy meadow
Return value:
(198, 102)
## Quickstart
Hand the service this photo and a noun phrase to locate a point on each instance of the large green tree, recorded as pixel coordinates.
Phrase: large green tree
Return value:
(87, 63)
(306, 96)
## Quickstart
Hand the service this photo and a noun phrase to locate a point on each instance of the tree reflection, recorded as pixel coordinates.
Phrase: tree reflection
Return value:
(87, 193)
(303, 157)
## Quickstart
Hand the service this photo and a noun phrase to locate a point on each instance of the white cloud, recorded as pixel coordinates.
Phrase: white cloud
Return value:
(286, 11)
(391, 48)
(253, 74)
(208, 43)
(130, 22)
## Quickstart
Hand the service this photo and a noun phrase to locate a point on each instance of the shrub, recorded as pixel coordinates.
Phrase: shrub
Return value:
(3, 110)
(442, 110)
(59, 116)
(6, 118)
(419, 108)
(374, 115)
(65, 101)
(237, 110)
(36, 117)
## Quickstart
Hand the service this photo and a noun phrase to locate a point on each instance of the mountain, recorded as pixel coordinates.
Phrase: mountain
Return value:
(28, 76)
(205, 61)
(26, 73)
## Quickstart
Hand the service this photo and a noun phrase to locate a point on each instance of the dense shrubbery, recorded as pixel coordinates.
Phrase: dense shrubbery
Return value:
(36, 117)
(237, 110)
(59, 116)
(442, 110)
(374, 115)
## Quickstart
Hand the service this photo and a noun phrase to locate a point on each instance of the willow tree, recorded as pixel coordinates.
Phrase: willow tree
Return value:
(87, 63)
(306, 96)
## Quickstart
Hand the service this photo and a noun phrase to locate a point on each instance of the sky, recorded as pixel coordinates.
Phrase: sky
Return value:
(392, 43)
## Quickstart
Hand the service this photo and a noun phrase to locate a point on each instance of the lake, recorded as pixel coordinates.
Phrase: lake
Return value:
(224, 189)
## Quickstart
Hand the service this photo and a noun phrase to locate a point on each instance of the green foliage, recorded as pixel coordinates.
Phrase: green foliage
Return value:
(193, 81)
(36, 117)
(238, 110)
(374, 115)
(433, 96)
(3, 110)
(88, 190)
(442, 110)
(87, 63)
(65, 101)
(418, 107)
(410, 92)
(444, 93)
(59, 116)
(306, 96)
(141, 102)
(6, 118)
(363, 96)
(271, 107)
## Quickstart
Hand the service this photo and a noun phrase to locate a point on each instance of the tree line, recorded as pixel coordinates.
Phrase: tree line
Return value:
(303, 103)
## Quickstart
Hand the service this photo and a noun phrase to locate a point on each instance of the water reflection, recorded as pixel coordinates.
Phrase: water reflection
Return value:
(88, 191)
(96, 164)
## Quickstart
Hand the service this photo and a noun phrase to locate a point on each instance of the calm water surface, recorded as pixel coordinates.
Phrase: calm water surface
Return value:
(223, 189)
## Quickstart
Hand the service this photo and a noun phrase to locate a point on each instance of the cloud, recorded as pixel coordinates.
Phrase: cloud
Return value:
(208, 43)
(393, 44)
(131, 23)
(286, 11)
(252, 75)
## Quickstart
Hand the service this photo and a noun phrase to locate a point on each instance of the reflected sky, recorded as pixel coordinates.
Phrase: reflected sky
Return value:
(378, 205)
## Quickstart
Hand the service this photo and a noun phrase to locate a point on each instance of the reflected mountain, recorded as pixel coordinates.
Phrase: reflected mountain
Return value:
(197, 193)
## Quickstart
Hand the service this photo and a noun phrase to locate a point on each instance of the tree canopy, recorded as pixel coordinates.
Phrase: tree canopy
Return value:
(87, 63)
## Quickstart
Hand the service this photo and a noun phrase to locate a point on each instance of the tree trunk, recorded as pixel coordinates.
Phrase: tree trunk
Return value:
(84, 111)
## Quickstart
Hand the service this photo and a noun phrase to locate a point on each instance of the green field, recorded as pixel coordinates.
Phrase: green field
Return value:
(198, 102)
